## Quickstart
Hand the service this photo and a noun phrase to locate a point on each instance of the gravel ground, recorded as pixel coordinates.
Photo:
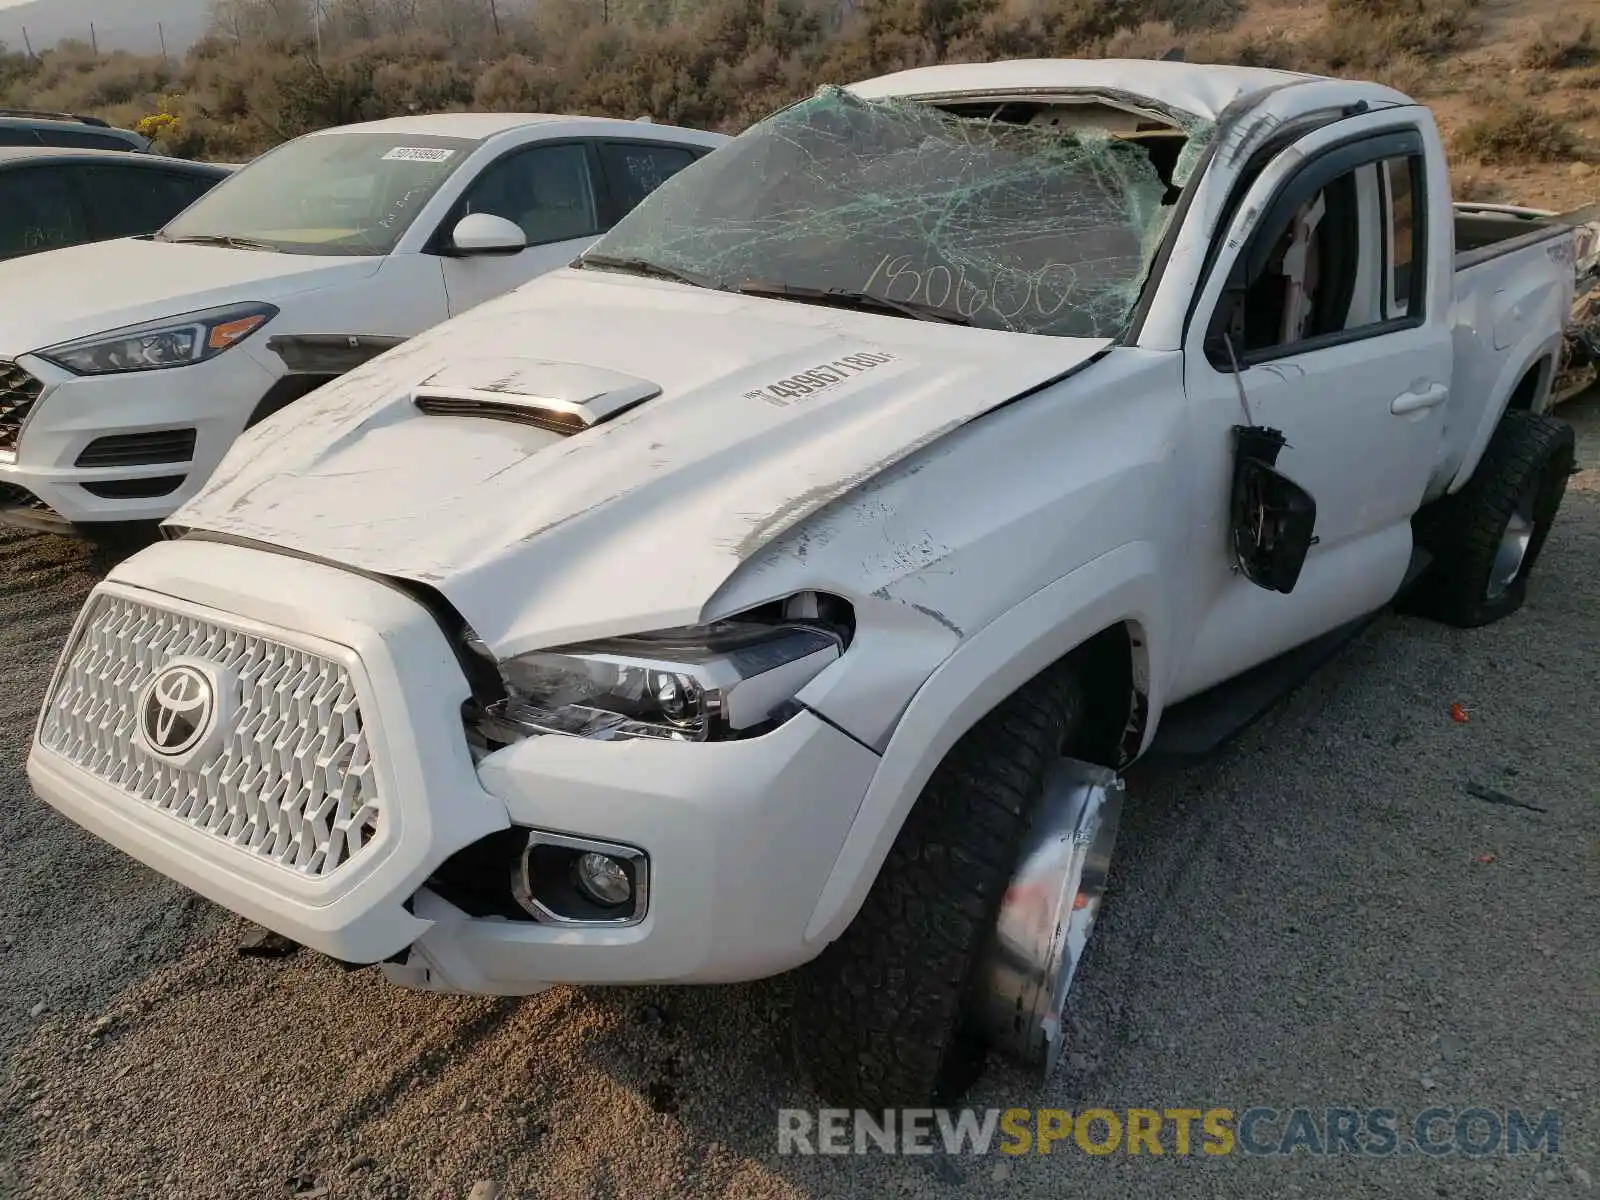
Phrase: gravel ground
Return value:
(1323, 916)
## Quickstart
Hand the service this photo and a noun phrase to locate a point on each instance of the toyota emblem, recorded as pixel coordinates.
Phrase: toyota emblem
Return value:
(177, 711)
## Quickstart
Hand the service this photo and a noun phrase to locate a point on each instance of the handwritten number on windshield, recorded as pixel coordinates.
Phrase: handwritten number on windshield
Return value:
(1011, 293)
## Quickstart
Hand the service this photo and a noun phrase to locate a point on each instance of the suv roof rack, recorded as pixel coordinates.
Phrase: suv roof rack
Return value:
(42, 115)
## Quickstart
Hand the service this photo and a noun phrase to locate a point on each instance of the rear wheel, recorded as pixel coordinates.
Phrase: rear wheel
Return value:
(972, 933)
(1487, 537)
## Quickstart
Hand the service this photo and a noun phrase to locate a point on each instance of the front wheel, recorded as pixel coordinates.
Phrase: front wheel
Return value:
(972, 933)
(1486, 538)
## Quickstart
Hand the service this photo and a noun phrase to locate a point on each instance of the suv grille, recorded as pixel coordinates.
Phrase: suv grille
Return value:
(293, 781)
(18, 391)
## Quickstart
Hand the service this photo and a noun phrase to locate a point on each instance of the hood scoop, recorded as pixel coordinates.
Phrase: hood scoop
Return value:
(560, 397)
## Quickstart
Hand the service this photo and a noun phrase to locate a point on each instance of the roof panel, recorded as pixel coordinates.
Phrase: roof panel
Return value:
(1199, 89)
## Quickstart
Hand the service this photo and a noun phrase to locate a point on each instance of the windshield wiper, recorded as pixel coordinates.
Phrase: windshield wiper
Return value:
(641, 266)
(216, 239)
(845, 298)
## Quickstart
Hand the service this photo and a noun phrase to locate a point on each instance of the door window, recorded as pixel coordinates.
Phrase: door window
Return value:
(1399, 178)
(39, 210)
(124, 201)
(82, 139)
(1338, 262)
(546, 190)
(635, 169)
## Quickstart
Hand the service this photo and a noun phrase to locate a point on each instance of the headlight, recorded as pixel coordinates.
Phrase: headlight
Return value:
(699, 684)
(171, 342)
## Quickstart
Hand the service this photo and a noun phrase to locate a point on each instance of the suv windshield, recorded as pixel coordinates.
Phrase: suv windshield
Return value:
(326, 193)
(1028, 228)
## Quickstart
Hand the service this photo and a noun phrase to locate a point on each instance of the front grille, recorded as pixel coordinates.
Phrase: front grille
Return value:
(18, 391)
(292, 782)
(139, 449)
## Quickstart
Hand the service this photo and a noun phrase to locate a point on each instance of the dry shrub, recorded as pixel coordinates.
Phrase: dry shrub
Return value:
(1468, 186)
(1414, 76)
(1558, 49)
(711, 63)
(1367, 36)
(1512, 132)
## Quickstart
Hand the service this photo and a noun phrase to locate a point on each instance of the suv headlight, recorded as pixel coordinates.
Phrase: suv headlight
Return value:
(170, 342)
(706, 683)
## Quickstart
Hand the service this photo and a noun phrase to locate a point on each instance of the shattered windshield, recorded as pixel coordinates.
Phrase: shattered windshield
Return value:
(1029, 228)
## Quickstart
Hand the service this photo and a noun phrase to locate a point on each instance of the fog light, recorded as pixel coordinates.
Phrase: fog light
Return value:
(602, 879)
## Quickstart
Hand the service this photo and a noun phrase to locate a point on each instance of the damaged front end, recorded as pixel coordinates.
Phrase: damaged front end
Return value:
(731, 679)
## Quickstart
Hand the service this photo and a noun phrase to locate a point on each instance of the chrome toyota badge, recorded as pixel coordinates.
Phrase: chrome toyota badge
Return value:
(178, 710)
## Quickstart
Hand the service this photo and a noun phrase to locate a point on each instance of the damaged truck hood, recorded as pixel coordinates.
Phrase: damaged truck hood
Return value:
(735, 419)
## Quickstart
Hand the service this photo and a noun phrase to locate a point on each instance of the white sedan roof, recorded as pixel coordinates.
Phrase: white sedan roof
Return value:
(480, 126)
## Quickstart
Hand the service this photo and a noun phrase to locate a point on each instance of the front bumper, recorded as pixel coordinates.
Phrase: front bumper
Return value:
(741, 836)
(95, 449)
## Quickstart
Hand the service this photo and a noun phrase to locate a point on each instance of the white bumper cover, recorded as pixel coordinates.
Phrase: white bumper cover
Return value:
(338, 779)
(44, 440)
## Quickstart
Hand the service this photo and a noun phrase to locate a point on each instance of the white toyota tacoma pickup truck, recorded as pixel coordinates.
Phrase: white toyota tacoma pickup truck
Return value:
(785, 585)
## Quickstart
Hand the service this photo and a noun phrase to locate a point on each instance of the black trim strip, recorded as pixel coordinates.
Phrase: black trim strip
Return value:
(329, 353)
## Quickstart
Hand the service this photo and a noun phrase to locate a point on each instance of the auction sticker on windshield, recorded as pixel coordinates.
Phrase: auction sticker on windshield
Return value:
(821, 378)
(427, 154)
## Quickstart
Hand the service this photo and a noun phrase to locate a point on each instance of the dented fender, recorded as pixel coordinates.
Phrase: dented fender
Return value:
(1123, 584)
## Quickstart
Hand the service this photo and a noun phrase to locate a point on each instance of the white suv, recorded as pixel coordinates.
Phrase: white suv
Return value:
(128, 367)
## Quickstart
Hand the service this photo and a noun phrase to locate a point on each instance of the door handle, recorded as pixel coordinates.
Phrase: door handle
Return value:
(1410, 402)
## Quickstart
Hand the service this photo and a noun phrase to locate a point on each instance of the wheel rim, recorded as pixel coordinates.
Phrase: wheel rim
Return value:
(1515, 539)
(1048, 913)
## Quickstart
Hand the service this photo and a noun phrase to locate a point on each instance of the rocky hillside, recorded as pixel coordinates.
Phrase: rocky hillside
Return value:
(1515, 83)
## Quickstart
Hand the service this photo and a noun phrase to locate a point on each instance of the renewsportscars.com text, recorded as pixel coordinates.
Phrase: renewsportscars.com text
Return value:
(1257, 1131)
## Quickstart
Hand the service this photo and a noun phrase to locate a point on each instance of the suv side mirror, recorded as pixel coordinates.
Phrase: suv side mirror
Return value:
(485, 233)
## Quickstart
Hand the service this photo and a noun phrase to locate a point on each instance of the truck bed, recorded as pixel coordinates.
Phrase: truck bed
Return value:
(1487, 231)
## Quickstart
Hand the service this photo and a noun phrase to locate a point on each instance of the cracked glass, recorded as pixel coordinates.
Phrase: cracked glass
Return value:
(1034, 229)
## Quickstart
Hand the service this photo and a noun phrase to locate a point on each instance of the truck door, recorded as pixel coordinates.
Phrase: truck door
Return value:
(1329, 295)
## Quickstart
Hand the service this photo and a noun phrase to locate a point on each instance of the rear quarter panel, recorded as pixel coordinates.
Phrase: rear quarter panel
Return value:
(1510, 314)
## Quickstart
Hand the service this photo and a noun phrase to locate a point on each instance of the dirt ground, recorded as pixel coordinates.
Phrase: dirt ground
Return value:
(1325, 915)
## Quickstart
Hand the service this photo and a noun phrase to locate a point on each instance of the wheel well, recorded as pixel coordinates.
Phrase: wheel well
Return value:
(1527, 389)
(285, 392)
(1116, 672)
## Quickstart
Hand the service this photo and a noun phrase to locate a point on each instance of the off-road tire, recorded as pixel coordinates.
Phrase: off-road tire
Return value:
(1462, 531)
(881, 1014)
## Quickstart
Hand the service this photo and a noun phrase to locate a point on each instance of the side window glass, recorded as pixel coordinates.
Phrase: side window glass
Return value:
(38, 211)
(83, 140)
(634, 170)
(546, 190)
(1341, 261)
(1304, 287)
(124, 201)
(184, 189)
(1400, 196)
(12, 135)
